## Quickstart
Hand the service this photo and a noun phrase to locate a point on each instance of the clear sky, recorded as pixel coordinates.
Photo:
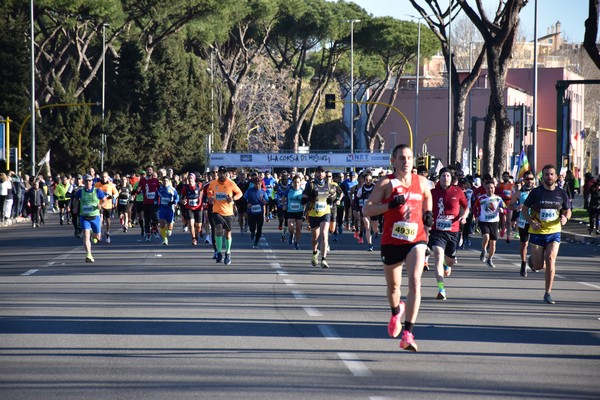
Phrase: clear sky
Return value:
(571, 14)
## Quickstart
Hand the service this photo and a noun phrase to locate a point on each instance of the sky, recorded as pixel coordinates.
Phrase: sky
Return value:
(571, 14)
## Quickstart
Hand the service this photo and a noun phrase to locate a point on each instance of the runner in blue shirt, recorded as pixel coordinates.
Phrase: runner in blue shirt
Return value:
(168, 198)
(257, 200)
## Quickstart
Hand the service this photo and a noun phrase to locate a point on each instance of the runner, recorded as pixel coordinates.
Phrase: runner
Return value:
(124, 203)
(319, 195)
(63, 193)
(89, 202)
(347, 185)
(339, 194)
(105, 184)
(281, 187)
(168, 198)
(256, 200)
(516, 203)
(405, 200)
(269, 183)
(506, 188)
(241, 205)
(138, 202)
(191, 198)
(487, 209)
(78, 185)
(546, 209)
(450, 210)
(222, 192)
(294, 211)
(369, 224)
(149, 186)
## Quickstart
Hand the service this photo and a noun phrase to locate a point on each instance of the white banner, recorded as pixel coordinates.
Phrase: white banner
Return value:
(308, 160)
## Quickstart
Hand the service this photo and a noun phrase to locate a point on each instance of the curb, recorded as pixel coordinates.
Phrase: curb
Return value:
(580, 238)
(14, 221)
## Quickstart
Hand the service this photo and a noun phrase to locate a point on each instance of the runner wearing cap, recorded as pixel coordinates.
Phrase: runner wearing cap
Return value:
(222, 192)
(167, 199)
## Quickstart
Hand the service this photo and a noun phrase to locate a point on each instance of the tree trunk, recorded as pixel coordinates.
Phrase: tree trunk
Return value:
(489, 142)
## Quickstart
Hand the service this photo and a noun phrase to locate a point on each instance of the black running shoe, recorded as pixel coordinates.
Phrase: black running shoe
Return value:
(548, 299)
(524, 269)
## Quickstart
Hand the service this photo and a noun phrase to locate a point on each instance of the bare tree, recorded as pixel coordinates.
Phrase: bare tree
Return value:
(591, 33)
(438, 18)
(499, 35)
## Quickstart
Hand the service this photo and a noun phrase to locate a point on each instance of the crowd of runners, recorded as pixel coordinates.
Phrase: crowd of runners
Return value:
(413, 215)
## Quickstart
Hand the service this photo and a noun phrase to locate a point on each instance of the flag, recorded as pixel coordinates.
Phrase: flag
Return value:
(523, 164)
(45, 160)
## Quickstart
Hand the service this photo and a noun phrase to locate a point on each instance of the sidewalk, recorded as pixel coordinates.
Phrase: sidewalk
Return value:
(576, 230)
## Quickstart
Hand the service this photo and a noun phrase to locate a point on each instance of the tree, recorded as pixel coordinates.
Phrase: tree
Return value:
(499, 36)
(393, 43)
(310, 38)
(591, 33)
(438, 19)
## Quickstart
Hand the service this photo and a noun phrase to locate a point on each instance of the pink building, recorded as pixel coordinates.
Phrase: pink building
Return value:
(433, 116)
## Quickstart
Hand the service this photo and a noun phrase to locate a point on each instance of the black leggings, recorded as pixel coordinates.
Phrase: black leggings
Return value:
(593, 213)
(255, 222)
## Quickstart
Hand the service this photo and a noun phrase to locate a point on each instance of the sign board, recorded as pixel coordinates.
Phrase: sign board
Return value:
(300, 160)
(2, 141)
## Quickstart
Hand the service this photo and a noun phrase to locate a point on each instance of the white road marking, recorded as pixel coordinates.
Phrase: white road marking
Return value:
(275, 265)
(289, 282)
(328, 332)
(313, 312)
(30, 272)
(356, 366)
(590, 285)
(298, 295)
(282, 273)
(50, 263)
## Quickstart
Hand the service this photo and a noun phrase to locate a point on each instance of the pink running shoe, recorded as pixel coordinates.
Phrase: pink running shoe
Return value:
(408, 341)
(360, 240)
(395, 324)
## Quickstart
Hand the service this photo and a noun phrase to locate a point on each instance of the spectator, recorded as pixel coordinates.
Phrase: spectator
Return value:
(588, 182)
(594, 208)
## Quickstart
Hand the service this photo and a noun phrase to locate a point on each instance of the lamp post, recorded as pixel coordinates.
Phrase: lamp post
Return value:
(32, 92)
(534, 122)
(352, 21)
(450, 83)
(103, 137)
(212, 102)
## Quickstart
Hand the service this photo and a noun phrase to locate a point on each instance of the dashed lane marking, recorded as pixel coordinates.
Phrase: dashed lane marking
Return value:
(354, 364)
(313, 312)
(328, 332)
(30, 272)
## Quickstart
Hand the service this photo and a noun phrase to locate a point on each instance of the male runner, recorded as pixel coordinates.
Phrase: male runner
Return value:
(167, 199)
(88, 204)
(546, 209)
(222, 192)
(108, 187)
(487, 209)
(516, 203)
(405, 200)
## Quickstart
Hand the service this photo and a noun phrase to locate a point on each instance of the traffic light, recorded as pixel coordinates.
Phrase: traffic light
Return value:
(475, 165)
(330, 101)
(421, 161)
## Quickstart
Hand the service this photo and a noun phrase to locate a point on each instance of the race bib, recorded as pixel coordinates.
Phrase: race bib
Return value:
(548, 214)
(87, 209)
(443, 224)
(164, 201)
(405, 230)
(150, 195)
(507, 193)
(320, 206)
(295, 207)
(255, 208)
(193, 202)
(221, 196)
(123, 202)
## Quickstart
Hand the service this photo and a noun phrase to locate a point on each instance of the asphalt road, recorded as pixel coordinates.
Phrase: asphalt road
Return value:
(154, 322)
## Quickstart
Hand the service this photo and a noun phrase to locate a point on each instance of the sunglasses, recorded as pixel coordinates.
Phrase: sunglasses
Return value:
(528, 179)
(330, 176)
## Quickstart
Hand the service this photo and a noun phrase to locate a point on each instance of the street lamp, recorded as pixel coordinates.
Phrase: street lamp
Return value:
(450, 83)
(103, 137)
(352, 21)
(32, 91)
(212, 102)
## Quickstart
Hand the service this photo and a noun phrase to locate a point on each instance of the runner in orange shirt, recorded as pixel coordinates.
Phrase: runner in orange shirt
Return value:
(222, 192)
(112, 194)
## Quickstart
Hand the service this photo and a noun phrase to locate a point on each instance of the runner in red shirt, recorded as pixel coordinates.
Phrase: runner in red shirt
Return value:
(405, 200)
(149, 186)
(450, 210)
